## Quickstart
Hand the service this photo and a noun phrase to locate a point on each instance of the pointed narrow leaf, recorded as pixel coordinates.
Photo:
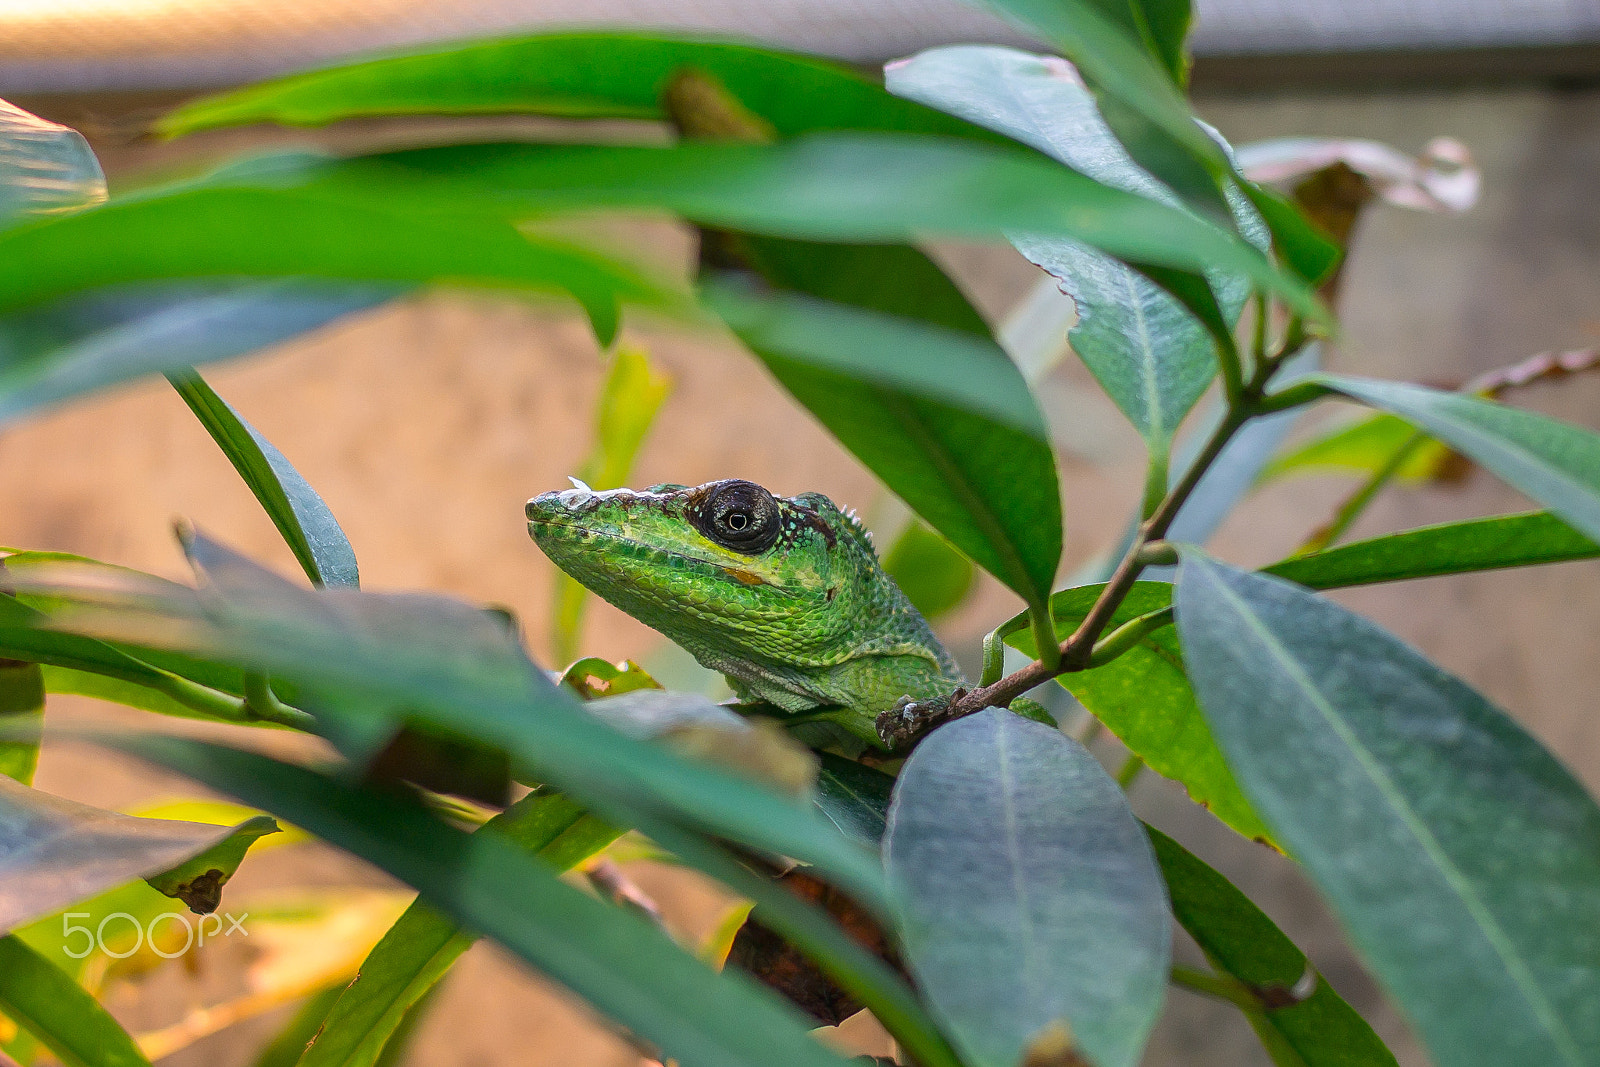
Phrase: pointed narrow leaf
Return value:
(21, 718)
(825, 187)
(1028, 892)
(619, 962)
(55, 852)
(1555, 463)
(570, 75)
(422, 945)
(102, 339)
(1244, 944)
(1461, 857)
(1449, 548)
(986, 485)
(1144, 698)
(272, 228)
(1152, 356)
(40, 998)
(302, 518)
(198, 881)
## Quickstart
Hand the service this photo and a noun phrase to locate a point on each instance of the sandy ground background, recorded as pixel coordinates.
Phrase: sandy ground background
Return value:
(426, 425)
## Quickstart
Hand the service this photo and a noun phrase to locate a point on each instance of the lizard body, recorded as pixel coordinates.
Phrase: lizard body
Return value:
(784, 596)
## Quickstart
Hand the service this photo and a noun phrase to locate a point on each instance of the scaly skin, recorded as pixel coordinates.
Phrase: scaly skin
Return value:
(783, 595)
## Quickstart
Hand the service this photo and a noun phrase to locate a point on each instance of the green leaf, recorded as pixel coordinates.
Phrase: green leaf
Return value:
(822, 187)
(265, 222)
(302, 518)
(44, 1001)
(987, 486)
(423, 944)
(1449, 548)
(1163, 25)
(45, 168)
(92, 341)
(55, 852)
(1244, 944)
(1029, 897)
(1364, 446)
(363, 661)
(1461, 857)
(629, 401)
(1554, 463)
(932, 572)
(1152, 356)
(21, 718)
(621, 963)
(854, 798)
(198, 881)
(1144, 697)
(288, 1043)
(569, 75)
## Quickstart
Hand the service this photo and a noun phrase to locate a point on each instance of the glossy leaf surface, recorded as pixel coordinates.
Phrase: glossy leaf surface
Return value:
(1461, 857)
(570, 75)
(1028, 891)
(1244, 944)
(1364, 446)
(1144, 697)
(1152, 356)
(45, 168)
(986, 485)
(56, 1011)
(622, 964)
(1555, 463)
(302, 518)
(421, 947)
(1449, 548)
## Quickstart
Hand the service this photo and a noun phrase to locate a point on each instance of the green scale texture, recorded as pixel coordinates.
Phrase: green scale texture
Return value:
(782, 595)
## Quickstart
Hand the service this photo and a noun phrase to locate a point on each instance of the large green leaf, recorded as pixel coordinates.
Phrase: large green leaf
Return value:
(265, 222)
(1029, 896)
(423, 944)
(1461, 857)
(39, 997)
(302, 518)
(824, 187)
(1144, 697)
(1449, 548)
(986, 484)
(570, 75)
(362, 663)
(101, 339)
(855, 798)
(1152, 356)
(21, 718)
(1555, 463)
(55, 852)
(1242, 943)
(618, 961)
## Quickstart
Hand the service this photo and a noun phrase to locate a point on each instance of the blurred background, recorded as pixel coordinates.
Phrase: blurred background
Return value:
(426, 424)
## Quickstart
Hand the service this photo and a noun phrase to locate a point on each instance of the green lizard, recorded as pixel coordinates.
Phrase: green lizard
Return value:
(782, 595)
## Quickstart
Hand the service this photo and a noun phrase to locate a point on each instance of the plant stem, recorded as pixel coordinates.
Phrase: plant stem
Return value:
(1218, 986)
(1130, 772)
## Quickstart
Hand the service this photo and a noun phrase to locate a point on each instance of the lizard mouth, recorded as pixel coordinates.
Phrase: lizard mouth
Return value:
(577, 532)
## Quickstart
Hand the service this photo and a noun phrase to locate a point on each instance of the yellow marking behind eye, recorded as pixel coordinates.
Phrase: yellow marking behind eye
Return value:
(744, 577)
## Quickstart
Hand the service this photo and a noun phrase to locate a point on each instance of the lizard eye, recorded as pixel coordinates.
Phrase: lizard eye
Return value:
(741, 516)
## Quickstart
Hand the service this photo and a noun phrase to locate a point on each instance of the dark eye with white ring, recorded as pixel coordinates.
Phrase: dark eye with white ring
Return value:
(741, 516)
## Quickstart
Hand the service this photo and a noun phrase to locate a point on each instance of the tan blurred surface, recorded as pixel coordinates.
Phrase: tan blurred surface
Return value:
(427, 424)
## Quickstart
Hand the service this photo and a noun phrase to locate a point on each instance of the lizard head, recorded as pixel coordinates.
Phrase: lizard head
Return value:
(725, 567)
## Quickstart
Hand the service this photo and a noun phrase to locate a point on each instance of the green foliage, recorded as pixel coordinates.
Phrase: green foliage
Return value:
(996, 859)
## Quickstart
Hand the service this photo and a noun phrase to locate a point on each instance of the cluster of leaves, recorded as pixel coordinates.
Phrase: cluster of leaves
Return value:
(1028, 910)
